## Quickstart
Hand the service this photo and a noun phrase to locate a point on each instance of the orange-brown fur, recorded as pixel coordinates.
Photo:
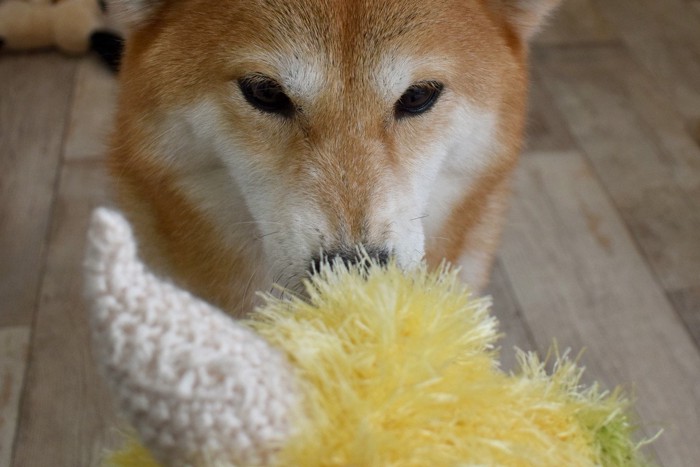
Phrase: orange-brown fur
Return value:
(183, 49)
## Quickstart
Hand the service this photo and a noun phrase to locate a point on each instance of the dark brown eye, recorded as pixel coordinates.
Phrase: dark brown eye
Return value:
(266, 95)
(418, 98)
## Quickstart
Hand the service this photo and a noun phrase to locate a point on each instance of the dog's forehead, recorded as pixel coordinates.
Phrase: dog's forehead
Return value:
(343, 23)
(308, 44)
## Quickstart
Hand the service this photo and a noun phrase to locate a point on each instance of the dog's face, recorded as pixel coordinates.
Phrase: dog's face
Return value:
(334, 119)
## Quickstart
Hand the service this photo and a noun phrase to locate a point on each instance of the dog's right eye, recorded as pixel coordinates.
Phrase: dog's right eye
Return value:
(266, 95)
(418, 98)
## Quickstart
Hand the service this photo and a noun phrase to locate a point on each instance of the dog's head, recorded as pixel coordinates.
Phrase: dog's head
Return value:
(336, 120)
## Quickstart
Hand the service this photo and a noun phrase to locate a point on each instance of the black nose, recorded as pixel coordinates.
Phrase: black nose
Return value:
(351, 257)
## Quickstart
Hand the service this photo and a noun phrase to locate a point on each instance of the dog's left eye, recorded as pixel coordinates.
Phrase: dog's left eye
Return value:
(266, 94)
(418, 98)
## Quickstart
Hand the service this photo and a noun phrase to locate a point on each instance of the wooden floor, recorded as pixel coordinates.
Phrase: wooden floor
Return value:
(602, 249)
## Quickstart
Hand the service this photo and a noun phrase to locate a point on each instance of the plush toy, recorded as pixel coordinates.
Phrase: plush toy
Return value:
(374, 368)
(72, 26)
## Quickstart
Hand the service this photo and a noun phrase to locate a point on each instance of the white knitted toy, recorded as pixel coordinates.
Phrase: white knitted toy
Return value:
(188, 378)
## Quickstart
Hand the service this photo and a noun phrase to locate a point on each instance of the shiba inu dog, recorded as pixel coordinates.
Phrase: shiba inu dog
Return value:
(256, 137)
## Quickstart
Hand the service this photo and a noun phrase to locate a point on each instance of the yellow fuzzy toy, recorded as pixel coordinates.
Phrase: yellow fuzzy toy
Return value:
(400, 369)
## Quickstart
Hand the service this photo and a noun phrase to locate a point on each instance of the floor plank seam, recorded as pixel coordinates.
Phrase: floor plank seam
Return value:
(635, 241)
(694, 333)
(529, 335)
(43, 268)
(536, 74)
(634, 238)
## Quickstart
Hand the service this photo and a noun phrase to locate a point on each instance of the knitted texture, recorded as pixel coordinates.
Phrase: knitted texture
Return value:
(198, 388)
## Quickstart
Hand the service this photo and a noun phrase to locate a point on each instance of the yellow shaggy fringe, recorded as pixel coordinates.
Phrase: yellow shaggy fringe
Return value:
(133, 454)
(401, 371)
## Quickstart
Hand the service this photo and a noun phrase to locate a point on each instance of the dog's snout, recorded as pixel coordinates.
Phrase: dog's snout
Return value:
(351, 257)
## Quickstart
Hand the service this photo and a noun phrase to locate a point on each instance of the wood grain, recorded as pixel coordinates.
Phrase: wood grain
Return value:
(641, 150)
(34, 101)
(94, 102)
(576, 22)
(664, 36)
(515, 331)
(66, 416)
(546, 129)
(14, 345)
(687, 304)
(579, 278)
(694, 130)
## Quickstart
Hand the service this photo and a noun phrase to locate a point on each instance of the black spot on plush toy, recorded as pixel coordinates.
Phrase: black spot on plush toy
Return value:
(72, 26)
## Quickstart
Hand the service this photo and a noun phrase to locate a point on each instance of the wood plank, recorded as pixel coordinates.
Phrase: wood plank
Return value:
(546, 129)
(66, 414)
(578, 278)
(641, 149)
(515, 331)
(687, 304)
(34, 100)
(576, 22)
(664, 36)
(14, 344)
(92, 111)
(694, 130)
